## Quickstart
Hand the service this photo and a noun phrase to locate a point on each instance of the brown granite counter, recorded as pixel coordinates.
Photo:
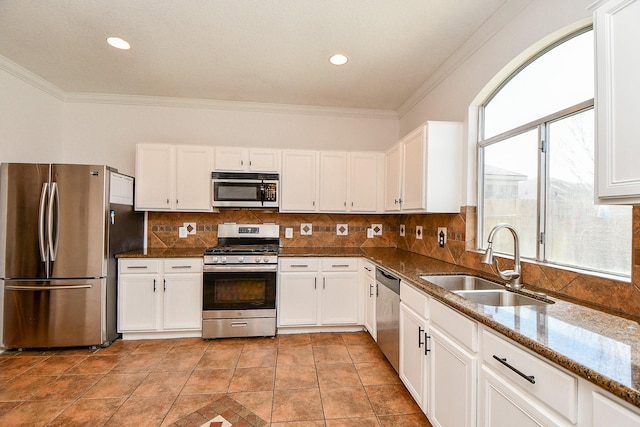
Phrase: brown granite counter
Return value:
(164, 253)
(321, 252)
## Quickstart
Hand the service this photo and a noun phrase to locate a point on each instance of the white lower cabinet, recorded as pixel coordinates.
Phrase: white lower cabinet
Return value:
(519, 388)
(160, 297)
(369, 293)
(607, 412)
(413, 355)
(318, 292)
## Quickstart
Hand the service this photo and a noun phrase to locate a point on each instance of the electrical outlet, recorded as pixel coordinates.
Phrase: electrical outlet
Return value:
(182, 232)
(369, 233)
(288, 233)
(401, 230)
(442, 236)
(419, 232)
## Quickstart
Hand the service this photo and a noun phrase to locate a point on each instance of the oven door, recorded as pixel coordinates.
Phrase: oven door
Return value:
(241, 193)
(236, 289)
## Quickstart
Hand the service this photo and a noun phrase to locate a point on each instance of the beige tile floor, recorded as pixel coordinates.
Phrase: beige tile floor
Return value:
(323, 379)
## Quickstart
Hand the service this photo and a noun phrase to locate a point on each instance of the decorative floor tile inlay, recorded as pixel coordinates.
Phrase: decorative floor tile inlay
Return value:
(224, 412)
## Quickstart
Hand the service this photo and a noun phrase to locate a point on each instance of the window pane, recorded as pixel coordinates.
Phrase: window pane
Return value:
(511, 191)
(580, 233)
(560, 78)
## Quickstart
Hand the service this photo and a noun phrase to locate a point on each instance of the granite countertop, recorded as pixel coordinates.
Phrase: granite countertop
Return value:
(600, 347)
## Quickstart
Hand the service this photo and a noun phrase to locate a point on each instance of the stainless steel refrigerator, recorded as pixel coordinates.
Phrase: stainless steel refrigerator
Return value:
(60, 228)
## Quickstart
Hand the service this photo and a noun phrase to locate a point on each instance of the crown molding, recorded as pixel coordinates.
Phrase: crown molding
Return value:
(31, 78)
(159, 101)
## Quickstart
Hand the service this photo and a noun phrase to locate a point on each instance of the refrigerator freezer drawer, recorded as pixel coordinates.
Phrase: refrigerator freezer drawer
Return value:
(57, 313)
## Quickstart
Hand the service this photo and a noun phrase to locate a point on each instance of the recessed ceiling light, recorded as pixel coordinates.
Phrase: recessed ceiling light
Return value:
(338, 59)
(118, 43)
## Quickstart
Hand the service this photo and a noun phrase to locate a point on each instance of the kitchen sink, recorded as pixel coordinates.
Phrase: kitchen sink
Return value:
(499, 298)
(462, 282)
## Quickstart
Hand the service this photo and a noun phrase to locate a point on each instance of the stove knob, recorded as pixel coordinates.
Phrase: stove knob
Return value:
(214, 259)
(265, 259)
(258, 259)
(223, 260)
(240, 259)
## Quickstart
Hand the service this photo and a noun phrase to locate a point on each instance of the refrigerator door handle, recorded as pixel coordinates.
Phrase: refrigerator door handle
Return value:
(53, 243)
(41, 223)
(46, 288)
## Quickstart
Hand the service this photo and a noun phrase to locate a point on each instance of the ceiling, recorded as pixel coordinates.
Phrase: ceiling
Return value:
(265, 51)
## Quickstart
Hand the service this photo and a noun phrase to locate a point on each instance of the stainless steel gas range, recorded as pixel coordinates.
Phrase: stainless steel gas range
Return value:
(239, 282)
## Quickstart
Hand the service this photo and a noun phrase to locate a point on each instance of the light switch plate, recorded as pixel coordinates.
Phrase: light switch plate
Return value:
(182, 232)
(190, 227)
(419, 232)
(377, 229)
(401, 230)
(288, 233)
(342, 229)
(306, 229)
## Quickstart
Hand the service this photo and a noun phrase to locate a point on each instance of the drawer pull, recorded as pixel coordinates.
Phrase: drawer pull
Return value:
(529, 378)
(420, 331)
(180, 266)
(239, 324)
(367, 268)
(339, 265)
(137, 266)
(426, 343)
(299, 265)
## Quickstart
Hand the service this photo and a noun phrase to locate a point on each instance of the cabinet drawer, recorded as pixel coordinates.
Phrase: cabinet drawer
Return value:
(368, 268)
(183, 265)
(414, 299)
(139, 265)
(555, 388)
(457, 326)
(339, 264)
(298, 264)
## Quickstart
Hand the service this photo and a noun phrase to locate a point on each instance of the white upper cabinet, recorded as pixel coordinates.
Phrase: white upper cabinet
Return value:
(423, 171)
(617, 91)
(330, 181)
(333, 181)
(299, 181)
(247, 159)
(173, 177)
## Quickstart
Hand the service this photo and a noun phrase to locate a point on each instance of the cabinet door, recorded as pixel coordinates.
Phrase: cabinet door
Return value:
(231, 159)
(413, 355)
(443, 182)
(452, 383)
(502, 405)
(182, 301)
(155, 177)
(617, 91)
(299, 181)
(139, 302)
(606, 412)
(363, 178)
(340, 298)
(370, 292)
(297, 299)
(193, 178)
(333, 181)
(413, 170)
(392, 178)
(264, 160)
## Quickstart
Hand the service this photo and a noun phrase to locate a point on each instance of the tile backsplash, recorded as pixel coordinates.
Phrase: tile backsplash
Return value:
(341, 230)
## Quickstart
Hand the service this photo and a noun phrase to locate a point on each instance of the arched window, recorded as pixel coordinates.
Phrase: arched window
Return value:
(536, 164)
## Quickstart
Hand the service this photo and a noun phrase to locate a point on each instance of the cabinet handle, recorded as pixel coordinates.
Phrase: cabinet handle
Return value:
(324, 283)
(370, 290)
(250, 163)
(177, 201)
(313, 203)
(180, 266)
(345, 203)
(299, 265)
(168, 201)
(241, 162)
(503, 360)
(137, 266)
(315, 283)
(340, 265)
(400, 201)
(154, 285)
(164, 286)
(351, 204)
(426, 340)
(367, 268)
(239, 324)
(420, 331)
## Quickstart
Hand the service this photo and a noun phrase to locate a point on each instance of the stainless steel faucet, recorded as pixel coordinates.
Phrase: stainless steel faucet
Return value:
(514, 276)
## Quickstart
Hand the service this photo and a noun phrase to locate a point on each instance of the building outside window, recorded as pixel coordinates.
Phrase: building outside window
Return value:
(536, 165)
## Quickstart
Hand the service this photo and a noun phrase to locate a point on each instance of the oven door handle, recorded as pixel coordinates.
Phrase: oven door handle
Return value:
(248, 268)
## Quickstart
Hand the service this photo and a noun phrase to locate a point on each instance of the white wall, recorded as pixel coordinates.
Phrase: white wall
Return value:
(107, 133)
(30, 121)
(466, 86)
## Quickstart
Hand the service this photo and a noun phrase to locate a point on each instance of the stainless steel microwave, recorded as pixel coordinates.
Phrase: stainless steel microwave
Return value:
(244, 190)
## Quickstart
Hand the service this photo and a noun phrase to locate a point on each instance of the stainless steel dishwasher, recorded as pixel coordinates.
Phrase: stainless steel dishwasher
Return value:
(388, 315)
